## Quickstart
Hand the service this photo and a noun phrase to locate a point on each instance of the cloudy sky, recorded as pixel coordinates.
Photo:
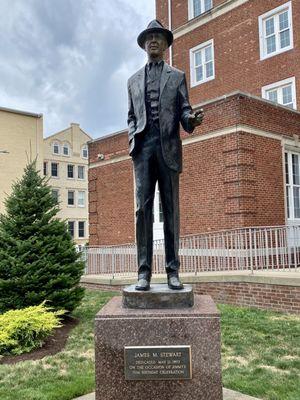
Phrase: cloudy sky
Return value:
(70, 59)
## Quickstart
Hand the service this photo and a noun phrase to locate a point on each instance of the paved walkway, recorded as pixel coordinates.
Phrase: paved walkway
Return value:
(227, 395)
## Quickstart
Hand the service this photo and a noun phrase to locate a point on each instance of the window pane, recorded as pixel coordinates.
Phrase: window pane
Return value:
(286, 168)
(71, 198)
(271, 44)
(288, 201)
(199, 74)
(71, 225)
(54, 169)
(70, 171)
(209, 69)
(81, 199)
(287, 97)
(295, 165)
(270, 26)
(161, 215)
(55, 148)
(85, 152)
(296, 202)
(207, 5)
(198, 58)
(272, 95)
(284, 20)
(55, 195)
(81, 229)
(197, 7)
(208, 53)
(80, 172)
(66, 150)
(285, 39)
(45, 168)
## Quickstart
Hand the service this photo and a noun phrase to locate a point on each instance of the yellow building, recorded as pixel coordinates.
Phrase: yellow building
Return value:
(66, 165)
(21, 140)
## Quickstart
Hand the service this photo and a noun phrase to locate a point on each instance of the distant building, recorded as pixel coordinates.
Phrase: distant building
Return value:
(66, 165)
(241, 168)
(21, 140)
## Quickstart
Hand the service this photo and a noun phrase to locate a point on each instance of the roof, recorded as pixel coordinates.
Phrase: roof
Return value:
(27, 113)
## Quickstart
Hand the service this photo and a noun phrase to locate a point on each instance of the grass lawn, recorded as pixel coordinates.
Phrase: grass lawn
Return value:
(260, 351)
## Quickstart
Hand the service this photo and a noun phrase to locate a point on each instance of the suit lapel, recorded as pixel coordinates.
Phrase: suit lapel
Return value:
(164, 77)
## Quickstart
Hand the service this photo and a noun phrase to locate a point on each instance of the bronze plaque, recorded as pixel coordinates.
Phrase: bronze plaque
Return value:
(158, 363)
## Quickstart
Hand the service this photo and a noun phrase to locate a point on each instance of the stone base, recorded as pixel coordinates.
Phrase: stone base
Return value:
(198, 327)
(159, 296)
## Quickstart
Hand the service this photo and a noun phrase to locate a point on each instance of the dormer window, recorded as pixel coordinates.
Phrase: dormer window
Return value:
(66, 149)
(84, 152)
(55, 148)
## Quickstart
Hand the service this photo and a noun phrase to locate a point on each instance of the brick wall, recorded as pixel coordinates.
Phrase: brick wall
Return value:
(265, 296)
(230, 181)
(236, 47)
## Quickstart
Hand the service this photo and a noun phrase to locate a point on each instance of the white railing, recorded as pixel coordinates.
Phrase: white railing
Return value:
(252, 249)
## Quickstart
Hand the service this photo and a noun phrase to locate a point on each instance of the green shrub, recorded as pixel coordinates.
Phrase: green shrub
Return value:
(24, 330)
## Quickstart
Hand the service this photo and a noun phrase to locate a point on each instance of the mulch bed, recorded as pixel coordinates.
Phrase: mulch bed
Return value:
(53, 344)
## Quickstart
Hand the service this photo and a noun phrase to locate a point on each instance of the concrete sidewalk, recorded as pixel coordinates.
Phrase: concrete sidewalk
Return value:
(227, 395)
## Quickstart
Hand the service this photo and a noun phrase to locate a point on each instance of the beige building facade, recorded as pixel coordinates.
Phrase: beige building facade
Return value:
(21, 140)
(66, 165)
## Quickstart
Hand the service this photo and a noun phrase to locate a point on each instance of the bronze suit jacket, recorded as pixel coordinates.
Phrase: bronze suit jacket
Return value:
(174, 108)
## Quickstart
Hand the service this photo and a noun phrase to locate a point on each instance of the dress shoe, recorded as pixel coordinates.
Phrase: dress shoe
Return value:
(143, 284)
(174, 282)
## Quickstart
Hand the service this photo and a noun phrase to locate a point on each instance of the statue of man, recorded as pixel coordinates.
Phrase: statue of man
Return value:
(158, 102)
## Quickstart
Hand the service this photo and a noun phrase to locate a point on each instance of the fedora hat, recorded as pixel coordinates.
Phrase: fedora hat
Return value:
(155, 26)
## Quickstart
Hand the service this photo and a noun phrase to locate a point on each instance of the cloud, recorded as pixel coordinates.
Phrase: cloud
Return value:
(70, 60)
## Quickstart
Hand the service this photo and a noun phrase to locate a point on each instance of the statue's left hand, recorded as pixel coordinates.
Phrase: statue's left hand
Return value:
(196, 118)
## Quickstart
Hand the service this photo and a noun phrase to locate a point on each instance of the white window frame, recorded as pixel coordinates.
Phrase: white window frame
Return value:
(279, 85)
(74, 204)
(45, 168)
(54, 176)
(195, 49)
(85, 147)
(65, 146)
(84, 236)
(78, 198)
(83, 167)
(191, 8)
(261, 23)
(58, 145)
(71, 165)
(55, 190)
(290, 186)
(74, 228)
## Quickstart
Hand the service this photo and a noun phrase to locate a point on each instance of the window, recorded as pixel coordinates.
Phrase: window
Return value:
(54, 170)
(276, 31)
(71, 228)
(283, 92)
(292, 181)
(66, 149)
(81, 199)
(81, 229)
(198, 7)
(70, 169)
(202, 63)
(45, 168)
(84, 151)
(71, 198)
(55, 194)
(55, 148)
(81, 172)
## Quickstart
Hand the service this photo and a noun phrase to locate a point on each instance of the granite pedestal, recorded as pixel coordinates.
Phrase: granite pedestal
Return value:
(197, 327)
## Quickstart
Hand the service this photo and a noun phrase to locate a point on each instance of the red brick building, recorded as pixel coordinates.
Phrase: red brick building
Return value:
(242, 166)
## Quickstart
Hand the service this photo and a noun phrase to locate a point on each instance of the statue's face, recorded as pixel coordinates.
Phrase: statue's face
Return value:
(155, 44)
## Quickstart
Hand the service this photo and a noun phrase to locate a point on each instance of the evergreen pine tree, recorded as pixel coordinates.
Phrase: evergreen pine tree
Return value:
(38, 259)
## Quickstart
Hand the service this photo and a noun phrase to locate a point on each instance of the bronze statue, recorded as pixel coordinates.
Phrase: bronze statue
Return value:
(158, 102)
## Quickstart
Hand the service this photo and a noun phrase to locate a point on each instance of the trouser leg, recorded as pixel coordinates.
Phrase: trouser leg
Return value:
(168, 181)
(145, 180)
